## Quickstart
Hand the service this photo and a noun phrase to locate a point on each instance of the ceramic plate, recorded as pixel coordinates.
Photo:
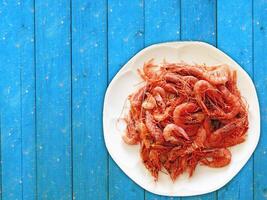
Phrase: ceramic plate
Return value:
(127, 157)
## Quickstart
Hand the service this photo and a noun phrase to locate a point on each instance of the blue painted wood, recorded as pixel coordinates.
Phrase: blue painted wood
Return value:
(89, 80)
(260, 79)
(198, 22)
(125, 38)
(162, 24)
(17, 100)
(10, 101)
(53, 91)
(235, 38)
(162, 21)
(27, 76)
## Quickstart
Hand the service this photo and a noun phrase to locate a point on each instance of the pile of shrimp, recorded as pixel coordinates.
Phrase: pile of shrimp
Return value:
(186, 115)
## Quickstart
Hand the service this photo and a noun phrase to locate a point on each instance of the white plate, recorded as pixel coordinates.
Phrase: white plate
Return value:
(127, 157)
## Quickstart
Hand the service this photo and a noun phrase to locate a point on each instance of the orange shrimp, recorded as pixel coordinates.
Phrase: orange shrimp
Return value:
(150, 102)
(218, 100)
(162, 116)
(170, 87)
(131, 136)
(151, 160)
(186, 114)
(137, 98)
(216, 75)
(172, 133)
(154, 130)
(217, 158)
(200, 138)
(237, 127)
(159, 90)
(149, 72)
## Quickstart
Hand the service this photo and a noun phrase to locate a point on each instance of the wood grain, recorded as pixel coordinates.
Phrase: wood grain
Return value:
(260, 79)
(89, 81)
(53, 103)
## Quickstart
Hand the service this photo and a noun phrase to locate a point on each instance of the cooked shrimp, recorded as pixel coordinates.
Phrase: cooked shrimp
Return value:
(131, 136)
(200, 138)
(172, 132)
(159, 90)
(170, 87)
(150, 102)
(154, 130)
(217, 158)
(162, 116)
(186, 114)
(137, 98)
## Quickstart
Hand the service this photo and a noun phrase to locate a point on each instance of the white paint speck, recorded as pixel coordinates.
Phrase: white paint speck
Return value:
(3, 38)
(26, 91)
(110, 10)
(58, 159)
(243, 28)
(258, 23)
(40, 147)
(96, 15)
(157, 26)
(47, 77)
(62, 21)
(96, 45)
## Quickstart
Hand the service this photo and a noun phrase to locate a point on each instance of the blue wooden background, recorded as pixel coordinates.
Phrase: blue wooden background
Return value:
(56, 60)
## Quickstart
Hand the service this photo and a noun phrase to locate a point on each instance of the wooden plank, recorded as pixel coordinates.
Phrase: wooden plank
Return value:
(198, 22)
(17, 100)
(162, 21)
(28, 101)
(235, 38)
(10, 101)
(260, 79)
(125, 38)
(89, 80)
(53, 91)
(162, 24)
